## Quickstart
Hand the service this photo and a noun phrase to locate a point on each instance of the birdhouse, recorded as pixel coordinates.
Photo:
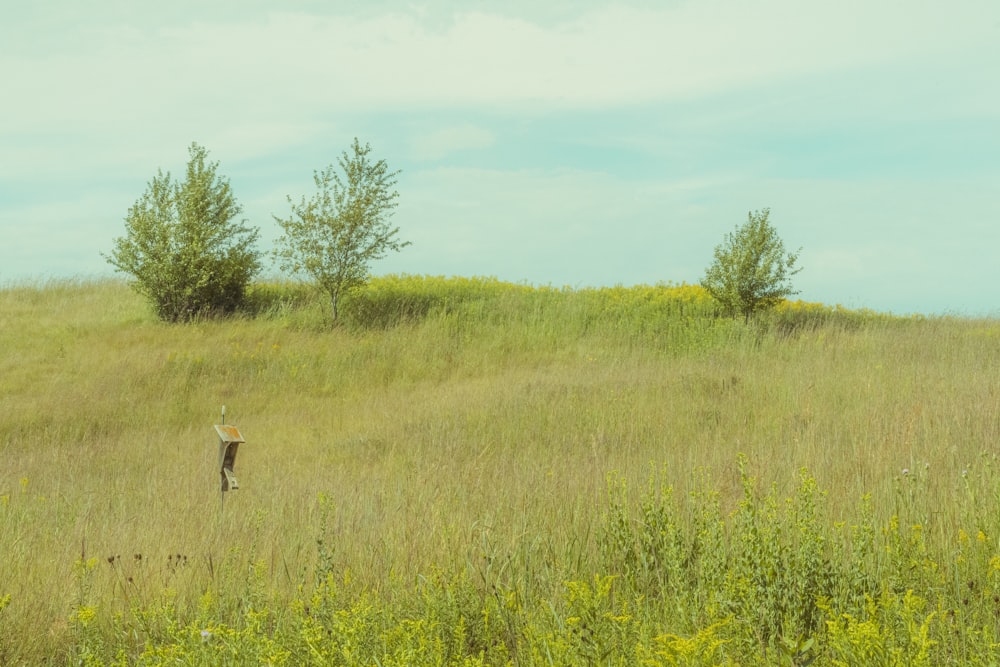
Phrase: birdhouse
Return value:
(229, 442)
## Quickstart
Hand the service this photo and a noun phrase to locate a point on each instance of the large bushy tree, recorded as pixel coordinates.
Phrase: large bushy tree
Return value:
(334, 236)
(751, 271)
(183, 245)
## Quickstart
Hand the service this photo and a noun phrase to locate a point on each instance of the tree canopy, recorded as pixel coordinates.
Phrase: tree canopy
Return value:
(751, 270)
(183, 245)
(335, 235)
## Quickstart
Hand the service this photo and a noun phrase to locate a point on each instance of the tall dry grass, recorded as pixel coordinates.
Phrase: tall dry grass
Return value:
(472, 432)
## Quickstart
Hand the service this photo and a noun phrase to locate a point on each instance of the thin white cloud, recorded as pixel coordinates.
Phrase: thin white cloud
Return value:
(607, 56)
(439, 143)
(305, 66)
(148, 87)
(247, 139)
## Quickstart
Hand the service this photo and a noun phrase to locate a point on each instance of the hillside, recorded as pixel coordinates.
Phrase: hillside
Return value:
(474, 472)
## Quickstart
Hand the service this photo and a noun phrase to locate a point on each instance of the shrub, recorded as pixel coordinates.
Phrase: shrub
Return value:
(183, 246)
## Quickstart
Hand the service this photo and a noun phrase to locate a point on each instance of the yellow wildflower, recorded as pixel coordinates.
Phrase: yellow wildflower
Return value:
(84, 615)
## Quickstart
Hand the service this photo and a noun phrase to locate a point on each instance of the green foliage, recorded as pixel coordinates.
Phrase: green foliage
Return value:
(183, 246)
(703, 648)
(780, 565)
(757, 587)
(334, 236)
(591, 626)
(751, 271)
(761, 575)
(895, 629)
(670, 318)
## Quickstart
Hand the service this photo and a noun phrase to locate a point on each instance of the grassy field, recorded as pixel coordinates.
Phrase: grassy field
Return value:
(470, 472)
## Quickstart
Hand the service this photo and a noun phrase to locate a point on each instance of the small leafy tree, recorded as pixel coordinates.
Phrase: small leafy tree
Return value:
(183, 246)
(334, 236)
(751, 271)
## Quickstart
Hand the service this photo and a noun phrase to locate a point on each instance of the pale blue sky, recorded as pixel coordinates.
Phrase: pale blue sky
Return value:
(564, 143)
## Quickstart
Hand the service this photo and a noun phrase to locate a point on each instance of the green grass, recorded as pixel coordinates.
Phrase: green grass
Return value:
(473, 472)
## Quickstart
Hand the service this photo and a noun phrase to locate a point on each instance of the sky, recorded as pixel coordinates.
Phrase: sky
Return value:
(577, 144)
